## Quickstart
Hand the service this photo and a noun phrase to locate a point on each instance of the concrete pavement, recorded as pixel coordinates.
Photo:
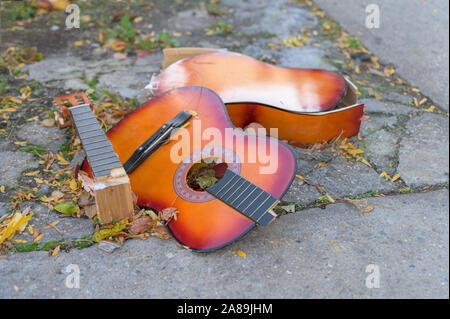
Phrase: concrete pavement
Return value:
(413, 35)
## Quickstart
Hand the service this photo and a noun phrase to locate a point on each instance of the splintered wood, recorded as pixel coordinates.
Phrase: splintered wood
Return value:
(113, 196)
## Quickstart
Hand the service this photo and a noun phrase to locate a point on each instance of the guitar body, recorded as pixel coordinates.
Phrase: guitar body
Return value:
(204, 223)
(306, 105)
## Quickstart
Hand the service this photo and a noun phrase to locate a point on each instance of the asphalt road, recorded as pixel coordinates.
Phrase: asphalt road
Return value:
(412, 34)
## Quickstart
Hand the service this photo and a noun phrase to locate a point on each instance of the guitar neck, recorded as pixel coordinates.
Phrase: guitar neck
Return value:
(245, 197)
(99, 152)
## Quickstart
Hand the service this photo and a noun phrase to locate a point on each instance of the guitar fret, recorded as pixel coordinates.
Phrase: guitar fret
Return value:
(260, 205)
(242, 193)
(247, 196)
(101, 153)
(262, 192)
(84, 144)
(88, 124)
(92, 136)
(84, 118)
(217, 193)
(103, 158)
(237, 189)
(112, 162)
(231, 187)
(79, 113)
(95, 129)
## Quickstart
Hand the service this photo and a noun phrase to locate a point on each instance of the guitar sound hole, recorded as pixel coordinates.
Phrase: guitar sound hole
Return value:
(205, 173)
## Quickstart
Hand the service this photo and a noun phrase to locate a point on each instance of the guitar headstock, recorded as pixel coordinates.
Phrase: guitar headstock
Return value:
(62, 103)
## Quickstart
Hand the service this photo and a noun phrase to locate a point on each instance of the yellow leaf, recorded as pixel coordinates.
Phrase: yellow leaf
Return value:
(396, 176)
(73, 184)
(415, 90)
(299, 176)
(25, 92)
(17, 221)
(240, 253)
(416, 103)
(14, 100)
(8, 109)
(38, 238)
(384, 174)
(20, 142)
(377, 96)
(38, 180)
(430, 109)
(321, 164)
(366, 162)
(330, 199)
(20, 241)
(32, 173)
(137, 19)
(389, 71)
(30, 230)
(355, 152)
(100, 37)
(423, 101)
(78, 43)
(56, 222)
(2, 188)
(56, 250)
(31, 119)
(60, 4)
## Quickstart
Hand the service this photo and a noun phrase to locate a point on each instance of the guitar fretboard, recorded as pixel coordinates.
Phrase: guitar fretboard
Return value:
(245, 197)
(99, 151)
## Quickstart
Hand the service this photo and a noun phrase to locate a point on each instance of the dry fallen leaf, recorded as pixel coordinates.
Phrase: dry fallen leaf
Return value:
(361, 204)
(56, 251)
(161, 232)
(240, 253)
(48, 122)
(142, 224)
(32, 173)
(168, 213)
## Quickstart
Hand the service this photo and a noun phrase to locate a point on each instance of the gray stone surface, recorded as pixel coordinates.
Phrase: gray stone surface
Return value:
(13, 163)
(67, 228)
(317, 253)
(126, 77)
(423, 155)
(51, 138)
(397, 97)
(381, 149)
(413, 35)
(384, 107)
(301, 192)
(190, 20)
(274, 18)
(342, 178)
(375, 123)
(4, 207)
(305, 57)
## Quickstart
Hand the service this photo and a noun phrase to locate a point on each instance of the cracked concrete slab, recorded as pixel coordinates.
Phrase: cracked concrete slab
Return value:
(423, 154)
(67, 227)
(316, 253)
(341, 178)
(13, 163)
